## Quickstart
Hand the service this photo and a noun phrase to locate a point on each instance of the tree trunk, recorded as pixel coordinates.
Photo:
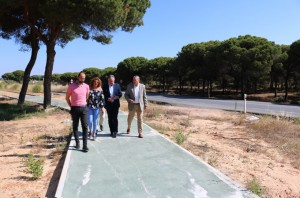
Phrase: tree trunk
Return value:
(34, 51)
(164, 84)
(208, 88)
(242, 87)
(275, 88)
(203, 87)
(48, 74)
(286, 87)
(211, 88)
(272, 83)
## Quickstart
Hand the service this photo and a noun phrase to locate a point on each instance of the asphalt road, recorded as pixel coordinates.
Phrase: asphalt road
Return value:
(267, 108)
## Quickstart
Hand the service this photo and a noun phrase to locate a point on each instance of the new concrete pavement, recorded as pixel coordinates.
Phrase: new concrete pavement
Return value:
(130, 167)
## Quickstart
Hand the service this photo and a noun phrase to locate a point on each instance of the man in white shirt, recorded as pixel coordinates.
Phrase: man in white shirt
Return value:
(112, 94)
(137, 102)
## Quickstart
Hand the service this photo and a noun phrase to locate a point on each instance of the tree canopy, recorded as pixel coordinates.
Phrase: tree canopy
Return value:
(129, 67)
(61, 21)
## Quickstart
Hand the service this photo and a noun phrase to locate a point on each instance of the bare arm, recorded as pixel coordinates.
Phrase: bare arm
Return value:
(68, 95)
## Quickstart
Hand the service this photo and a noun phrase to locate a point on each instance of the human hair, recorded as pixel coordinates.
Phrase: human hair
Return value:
(136, 77)
(82, 72)
(96, 79)
(111, 76)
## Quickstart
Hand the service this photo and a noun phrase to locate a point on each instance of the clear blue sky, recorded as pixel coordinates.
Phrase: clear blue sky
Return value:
(168, 26)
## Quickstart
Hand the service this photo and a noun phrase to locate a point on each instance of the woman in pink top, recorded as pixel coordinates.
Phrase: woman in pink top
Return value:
(76, 97)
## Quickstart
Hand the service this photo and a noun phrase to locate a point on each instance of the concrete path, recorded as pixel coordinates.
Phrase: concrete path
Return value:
(130, 167)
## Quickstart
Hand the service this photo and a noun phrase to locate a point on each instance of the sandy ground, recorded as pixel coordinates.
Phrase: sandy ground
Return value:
(21, 137)
(223, 140)
(220, 138)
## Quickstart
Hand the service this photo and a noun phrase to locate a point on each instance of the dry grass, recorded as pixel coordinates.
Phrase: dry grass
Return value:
(59, 88)
(36, 135)
(16, 87)
(281, 134)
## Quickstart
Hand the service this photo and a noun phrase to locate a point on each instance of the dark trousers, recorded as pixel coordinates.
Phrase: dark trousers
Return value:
(112, 113)
(82, 114)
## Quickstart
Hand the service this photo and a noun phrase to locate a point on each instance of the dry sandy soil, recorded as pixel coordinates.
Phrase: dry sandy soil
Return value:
(241, 149)
(40, 135)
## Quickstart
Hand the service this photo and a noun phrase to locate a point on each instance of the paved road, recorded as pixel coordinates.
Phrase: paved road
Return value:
(267, 108)
(234, 105)
(130, 167)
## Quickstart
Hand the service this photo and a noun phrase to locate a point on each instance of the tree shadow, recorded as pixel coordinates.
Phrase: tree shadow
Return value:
(23, 178)
(12, 111)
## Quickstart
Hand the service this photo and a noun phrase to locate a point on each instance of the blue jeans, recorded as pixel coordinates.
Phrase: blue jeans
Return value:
(93, 118)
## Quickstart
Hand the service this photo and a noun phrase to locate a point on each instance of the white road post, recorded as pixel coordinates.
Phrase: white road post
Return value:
(245, 103)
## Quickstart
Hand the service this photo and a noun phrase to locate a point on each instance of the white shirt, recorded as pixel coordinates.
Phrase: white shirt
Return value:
(111, 90)
(137, 93)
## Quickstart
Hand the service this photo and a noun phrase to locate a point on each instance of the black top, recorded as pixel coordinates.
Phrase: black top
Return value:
(96, 99)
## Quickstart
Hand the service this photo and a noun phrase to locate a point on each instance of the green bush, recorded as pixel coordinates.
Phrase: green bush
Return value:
(255, 187)
(35, 166)
(180, 137)
(278, 99)
(37, 89)
(297, 121)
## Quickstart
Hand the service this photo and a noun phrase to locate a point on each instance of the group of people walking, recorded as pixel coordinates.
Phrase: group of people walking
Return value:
(89, 102)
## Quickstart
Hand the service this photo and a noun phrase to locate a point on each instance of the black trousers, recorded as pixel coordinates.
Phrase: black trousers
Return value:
(82, 114)
(112, 113)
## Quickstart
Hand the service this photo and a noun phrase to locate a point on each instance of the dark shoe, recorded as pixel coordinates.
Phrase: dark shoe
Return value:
(140, 135)
(128, 131)
(101, 127)
(114, 134)
(85, 149)
(77, 146)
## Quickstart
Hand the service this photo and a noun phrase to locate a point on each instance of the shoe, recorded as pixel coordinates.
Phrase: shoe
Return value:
(77, 146)
(101, 127)
(128, 131)
(85, 149)
(140, 135)
(114, 134)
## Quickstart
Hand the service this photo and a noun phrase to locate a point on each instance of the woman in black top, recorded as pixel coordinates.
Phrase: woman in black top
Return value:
(95, 104)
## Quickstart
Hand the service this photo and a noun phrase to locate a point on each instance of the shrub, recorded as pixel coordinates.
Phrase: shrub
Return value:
(255, 187)
(180, 137)
(15, 87)
(297, 121)
(37, 89)
(278, 99)
(35, 166)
